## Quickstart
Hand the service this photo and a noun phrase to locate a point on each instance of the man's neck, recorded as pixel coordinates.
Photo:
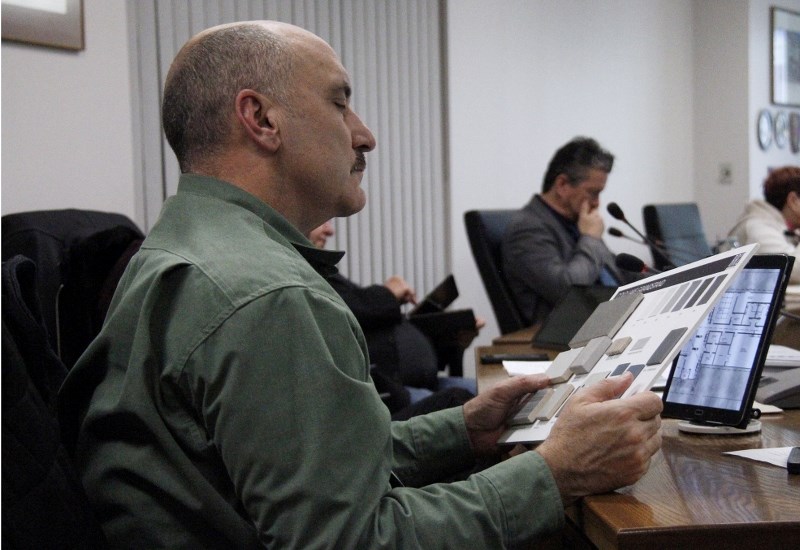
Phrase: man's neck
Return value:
(260, 179)
(552, 201)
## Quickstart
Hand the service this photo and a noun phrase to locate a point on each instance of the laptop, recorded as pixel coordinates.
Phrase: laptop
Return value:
(713, 380)
(569, 315)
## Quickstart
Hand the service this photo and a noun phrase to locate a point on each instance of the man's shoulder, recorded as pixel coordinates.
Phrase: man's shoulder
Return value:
(239, 257)
(534, 215)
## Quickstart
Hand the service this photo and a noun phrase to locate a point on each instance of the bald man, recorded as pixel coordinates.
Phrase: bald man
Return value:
(227, 401)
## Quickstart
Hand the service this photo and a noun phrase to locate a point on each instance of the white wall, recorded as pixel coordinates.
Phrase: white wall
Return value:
(721, 128)
(732, 84)
(525, 77)
(66, 121)
(759, 74)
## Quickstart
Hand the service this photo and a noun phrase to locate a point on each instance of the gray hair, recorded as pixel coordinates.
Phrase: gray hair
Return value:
(575, 159)
(206, 76)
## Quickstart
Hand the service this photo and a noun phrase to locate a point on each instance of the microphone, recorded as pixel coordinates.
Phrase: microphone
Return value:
(629, 262)
(617, 213)
(614, 232)
(680, 253)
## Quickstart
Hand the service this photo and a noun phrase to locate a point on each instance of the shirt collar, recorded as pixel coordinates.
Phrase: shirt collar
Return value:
(569, 225)
(323, 261)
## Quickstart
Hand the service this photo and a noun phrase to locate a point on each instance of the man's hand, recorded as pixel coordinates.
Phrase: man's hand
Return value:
(486, 414)
(401, 290)
(600, 443)
(590, 222)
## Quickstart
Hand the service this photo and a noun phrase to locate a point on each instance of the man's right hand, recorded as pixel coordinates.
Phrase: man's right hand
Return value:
(401, 289)
(601, 443)
(590, 222)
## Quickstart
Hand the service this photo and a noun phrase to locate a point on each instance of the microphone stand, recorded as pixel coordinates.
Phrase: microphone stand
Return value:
(662, 258)
(665, 250)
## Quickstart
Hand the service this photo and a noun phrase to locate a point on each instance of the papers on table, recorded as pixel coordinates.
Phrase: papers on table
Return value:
(782, 356)
(766, 409)
(776, 455)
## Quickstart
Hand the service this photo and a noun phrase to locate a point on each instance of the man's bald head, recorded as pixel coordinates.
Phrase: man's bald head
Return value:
(208, 72)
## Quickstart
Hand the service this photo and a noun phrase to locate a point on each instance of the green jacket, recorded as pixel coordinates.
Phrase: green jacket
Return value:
(227, 404)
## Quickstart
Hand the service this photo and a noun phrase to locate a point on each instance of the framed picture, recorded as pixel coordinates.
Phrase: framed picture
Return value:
(785, 57)
(794, 132)
(54, 23)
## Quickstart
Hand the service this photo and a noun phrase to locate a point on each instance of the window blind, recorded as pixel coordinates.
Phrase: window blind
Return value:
(394, 52)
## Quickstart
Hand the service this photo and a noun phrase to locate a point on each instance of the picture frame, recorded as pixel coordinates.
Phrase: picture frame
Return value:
(51, 23)
(785, 66)
(794, 132)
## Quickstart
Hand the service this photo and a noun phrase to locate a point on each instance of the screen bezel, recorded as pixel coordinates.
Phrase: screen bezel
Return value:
(741, 416)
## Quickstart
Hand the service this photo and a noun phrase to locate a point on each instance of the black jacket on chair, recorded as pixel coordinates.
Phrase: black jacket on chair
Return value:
(44, 505)
(79, 256)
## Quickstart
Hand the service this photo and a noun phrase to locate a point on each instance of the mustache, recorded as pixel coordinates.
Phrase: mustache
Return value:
(361, 162)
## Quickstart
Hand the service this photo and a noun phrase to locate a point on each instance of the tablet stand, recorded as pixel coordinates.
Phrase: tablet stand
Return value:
(754, 426)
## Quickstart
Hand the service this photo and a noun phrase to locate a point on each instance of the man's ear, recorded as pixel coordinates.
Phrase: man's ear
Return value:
(256, 115)
(561, 182)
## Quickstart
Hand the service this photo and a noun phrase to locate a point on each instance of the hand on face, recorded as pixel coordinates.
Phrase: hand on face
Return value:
(401, 290)
(601, 443)
(590, 222)
(319, 235)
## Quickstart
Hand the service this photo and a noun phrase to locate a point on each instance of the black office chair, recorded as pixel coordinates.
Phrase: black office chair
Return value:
(677, 230)
(485, 229)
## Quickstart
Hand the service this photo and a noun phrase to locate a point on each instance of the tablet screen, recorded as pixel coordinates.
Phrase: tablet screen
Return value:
(713, 378)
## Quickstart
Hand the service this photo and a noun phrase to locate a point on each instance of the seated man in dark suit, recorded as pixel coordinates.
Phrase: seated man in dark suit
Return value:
(397, 348)
(555, 241)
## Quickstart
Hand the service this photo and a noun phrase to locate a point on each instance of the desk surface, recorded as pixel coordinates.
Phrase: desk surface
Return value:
(693, 495)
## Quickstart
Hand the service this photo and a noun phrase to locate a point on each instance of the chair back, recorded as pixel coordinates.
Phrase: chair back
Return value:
(678, 230)
(485, 230)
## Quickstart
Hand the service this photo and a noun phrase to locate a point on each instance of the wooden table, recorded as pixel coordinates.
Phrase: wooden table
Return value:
(693, 496)
(523, 336)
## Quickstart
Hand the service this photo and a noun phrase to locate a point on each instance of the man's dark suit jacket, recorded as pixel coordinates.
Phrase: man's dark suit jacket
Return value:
(542, 260)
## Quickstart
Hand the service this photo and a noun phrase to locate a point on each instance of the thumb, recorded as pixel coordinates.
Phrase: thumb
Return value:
(610, 388)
